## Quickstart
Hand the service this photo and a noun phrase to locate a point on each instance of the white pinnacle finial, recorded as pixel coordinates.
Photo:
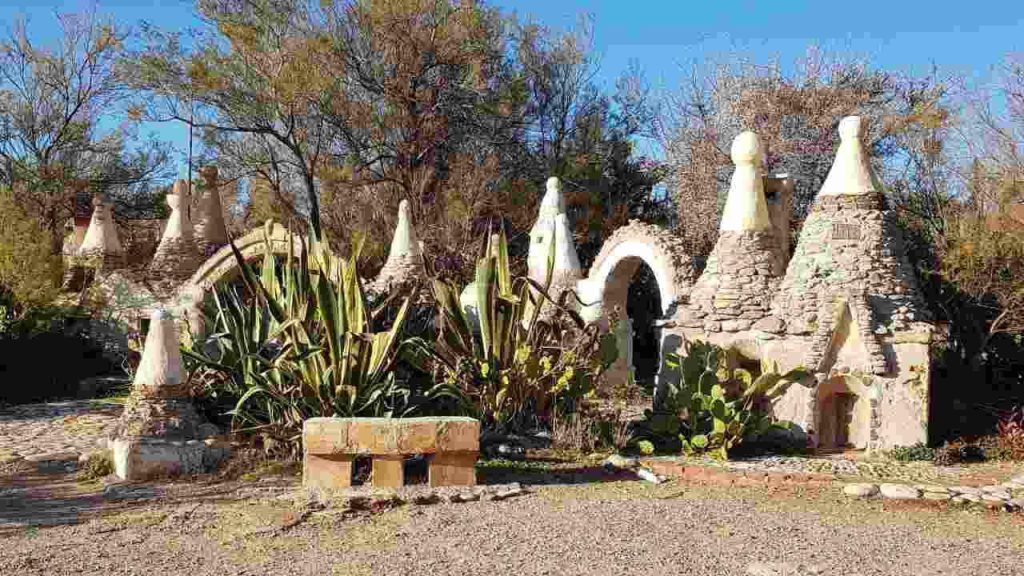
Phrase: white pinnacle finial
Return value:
(101, 236)
(178, 224)
(404, 242)
(552, 203)
(161, 360)
(745, 207)
(210, 230)
(851, 171)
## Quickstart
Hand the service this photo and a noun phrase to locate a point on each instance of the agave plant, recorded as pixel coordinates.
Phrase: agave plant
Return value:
(504, 361)
(298, 340)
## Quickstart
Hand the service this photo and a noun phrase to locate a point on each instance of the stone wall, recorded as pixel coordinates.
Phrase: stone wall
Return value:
(849, 244)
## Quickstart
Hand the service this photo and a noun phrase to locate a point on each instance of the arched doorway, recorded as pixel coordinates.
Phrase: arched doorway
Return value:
(669, 272)
(643, 307)
(844, 413)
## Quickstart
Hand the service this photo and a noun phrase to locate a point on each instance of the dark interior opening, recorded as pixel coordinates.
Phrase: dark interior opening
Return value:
(643, 305)
(362, 467)
(415, 469)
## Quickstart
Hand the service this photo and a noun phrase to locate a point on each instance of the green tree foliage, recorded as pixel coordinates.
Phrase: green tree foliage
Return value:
(29, 272)
(343, 109)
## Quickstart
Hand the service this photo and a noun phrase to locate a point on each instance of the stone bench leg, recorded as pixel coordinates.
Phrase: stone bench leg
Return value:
(323, 471)
(387, 471)
(453, 469)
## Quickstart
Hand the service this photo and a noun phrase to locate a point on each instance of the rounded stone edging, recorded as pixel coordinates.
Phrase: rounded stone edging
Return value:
(993, 496)
(1008, 496)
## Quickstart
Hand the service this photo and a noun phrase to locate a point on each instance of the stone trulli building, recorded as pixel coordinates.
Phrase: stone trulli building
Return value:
(845, 306)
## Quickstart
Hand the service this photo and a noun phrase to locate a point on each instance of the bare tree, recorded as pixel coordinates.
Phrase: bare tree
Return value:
(795, 115)
(52, 140)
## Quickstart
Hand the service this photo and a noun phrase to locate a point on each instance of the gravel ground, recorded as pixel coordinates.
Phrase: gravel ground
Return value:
(265, 526)
(64, 429)
(54, 521)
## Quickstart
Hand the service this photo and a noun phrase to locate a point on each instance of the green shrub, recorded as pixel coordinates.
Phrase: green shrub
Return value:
(98, 465)
(299, 341)
(915, 453)
(29, 271)
(503, 362)
(708, 405)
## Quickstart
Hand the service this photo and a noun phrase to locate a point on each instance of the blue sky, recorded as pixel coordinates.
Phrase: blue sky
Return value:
(665, 38)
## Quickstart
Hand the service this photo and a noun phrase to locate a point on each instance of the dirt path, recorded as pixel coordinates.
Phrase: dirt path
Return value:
(54, 523)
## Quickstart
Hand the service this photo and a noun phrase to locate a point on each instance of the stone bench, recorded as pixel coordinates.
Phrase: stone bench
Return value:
(331, 445)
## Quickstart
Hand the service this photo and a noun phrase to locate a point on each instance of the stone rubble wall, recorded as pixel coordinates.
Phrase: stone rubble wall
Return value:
(734, 291)
(849, 244)
(397, 272)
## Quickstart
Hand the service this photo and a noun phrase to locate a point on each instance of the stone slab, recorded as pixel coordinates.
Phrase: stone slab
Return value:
(388, 471)
(327, 471)
(372, 436)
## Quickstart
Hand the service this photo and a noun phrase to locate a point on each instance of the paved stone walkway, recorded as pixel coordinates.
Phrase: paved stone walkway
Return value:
(55, 431)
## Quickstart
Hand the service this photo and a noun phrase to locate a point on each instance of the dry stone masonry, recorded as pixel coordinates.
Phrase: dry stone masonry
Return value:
(845, 306)
(159, 431)
(734, 292)
(178, 255)
(210, 232)
(404, 265)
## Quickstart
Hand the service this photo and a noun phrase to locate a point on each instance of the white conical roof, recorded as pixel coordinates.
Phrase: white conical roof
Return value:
(745, 207)
(552, 227)
(404, 242)
(101, 236)
(210, 228)
(851, 171)
(161, 360)
(553, 203)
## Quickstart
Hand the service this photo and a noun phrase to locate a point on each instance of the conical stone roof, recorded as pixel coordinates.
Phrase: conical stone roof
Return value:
(850, 249)
(734, 291)
(405, 259)
(101, 240)
(210, 232)
(553, 232)
(177, 255)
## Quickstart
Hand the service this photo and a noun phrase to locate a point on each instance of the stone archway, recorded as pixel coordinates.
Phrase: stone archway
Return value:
(222, 266)
(606, 288)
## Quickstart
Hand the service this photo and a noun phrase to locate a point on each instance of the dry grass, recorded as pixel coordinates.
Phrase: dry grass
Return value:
(133, 519)
(6, 455)
(376, 532)
(245, 530)
(935, 519)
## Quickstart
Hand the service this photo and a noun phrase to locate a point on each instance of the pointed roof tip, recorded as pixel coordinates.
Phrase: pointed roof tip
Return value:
(851, 170)
(404, 242)
(746, 149)
(403, 210)
(553, 203)
(161, 360)
(101, 234)
(745, 207)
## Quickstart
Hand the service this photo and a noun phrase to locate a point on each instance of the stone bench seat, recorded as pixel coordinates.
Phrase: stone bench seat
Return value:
(331, 445)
